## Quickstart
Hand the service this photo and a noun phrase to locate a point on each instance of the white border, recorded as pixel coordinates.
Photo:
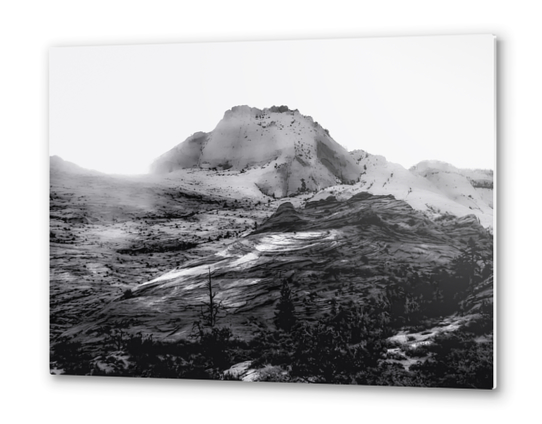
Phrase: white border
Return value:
(28, 29)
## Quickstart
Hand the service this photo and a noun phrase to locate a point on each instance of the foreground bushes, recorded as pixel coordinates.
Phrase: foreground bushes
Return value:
(348, 345)
(457, 361)
(331, 350)
(141, 356)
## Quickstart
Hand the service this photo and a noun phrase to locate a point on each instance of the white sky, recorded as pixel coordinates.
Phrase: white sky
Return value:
(117, 108)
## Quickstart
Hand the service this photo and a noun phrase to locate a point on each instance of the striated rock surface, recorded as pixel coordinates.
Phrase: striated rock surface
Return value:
(328, 248)
(109, 233)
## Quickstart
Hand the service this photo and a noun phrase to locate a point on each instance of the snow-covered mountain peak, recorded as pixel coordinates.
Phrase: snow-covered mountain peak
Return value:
(281, 152)
(284, 151)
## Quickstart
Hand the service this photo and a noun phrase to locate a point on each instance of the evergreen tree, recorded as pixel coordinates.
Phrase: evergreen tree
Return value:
(467, 265)
(285, 311)
(303, 186)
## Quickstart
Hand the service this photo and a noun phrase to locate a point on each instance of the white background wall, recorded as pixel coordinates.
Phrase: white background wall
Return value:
(29, 28)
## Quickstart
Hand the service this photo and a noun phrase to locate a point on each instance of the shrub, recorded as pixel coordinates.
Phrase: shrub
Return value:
(457, 361)
(70, 356)
(417, 352)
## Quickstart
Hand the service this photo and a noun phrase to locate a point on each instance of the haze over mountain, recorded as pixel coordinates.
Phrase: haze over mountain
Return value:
(57, 164)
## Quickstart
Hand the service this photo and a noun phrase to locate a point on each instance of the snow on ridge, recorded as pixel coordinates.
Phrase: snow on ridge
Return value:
(279, 152)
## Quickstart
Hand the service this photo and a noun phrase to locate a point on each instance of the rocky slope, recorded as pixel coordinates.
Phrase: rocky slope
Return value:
(328, 248)
(108, 233)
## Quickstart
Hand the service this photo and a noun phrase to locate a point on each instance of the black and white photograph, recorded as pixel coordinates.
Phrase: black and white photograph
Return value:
(308, 211)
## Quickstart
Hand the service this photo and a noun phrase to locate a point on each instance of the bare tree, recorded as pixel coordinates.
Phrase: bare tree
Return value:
(211, 308)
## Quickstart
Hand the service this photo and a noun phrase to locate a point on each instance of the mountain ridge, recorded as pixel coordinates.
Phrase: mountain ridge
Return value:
(281, 153)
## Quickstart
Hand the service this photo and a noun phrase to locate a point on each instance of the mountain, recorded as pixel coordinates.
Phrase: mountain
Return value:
(282, 151)
(57, 164)
(436, 188)
(472, 188)
(266, 245)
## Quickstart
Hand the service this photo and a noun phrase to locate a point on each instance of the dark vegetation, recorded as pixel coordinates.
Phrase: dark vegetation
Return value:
(348, 344)
(174, 246)
(481, 183)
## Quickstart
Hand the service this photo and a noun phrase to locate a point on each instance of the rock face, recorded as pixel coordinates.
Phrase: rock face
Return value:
(351, 247)
(111, 232)
(284, 151)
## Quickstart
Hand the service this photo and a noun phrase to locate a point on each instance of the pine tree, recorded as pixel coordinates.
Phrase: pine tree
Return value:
(285, 311)
(466, 264)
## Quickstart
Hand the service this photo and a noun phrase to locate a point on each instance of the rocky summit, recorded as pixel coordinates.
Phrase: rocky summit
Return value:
(287, 152)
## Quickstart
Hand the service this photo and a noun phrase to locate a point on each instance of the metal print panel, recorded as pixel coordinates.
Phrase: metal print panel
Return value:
(316, 211)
